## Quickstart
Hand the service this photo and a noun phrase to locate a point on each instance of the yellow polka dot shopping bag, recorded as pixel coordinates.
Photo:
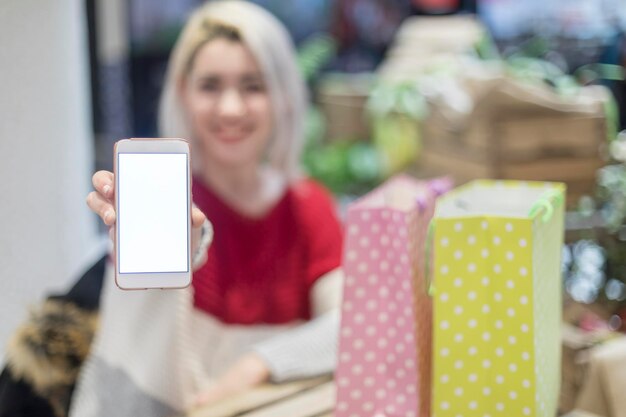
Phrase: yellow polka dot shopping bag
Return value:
(497, 299)
(385, 337)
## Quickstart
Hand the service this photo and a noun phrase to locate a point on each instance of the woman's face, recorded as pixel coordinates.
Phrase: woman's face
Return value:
(228, 104)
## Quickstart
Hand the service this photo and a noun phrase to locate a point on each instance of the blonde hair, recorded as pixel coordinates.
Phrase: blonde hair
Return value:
(271, 45)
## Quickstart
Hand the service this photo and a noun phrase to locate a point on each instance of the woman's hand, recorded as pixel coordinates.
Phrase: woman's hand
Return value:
(102, 202)
(248, 371)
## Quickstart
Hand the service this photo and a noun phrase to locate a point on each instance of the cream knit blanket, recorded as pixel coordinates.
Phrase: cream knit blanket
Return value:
(154, 352)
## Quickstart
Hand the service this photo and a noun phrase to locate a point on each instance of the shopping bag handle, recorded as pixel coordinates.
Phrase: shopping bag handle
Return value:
(437, 187)
(441, 185)
(547, 204)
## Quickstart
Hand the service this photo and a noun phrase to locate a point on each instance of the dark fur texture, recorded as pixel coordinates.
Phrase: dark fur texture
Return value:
(48, 350)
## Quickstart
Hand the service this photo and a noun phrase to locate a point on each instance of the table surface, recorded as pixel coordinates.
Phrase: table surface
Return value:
(305, 398)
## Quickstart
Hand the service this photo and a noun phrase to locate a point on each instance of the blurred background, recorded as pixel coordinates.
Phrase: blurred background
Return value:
(467, 88)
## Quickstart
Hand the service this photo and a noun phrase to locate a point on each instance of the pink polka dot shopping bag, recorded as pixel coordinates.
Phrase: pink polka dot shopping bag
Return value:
(384, 364)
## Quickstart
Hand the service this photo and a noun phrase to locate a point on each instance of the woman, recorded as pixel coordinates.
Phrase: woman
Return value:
(233, 89)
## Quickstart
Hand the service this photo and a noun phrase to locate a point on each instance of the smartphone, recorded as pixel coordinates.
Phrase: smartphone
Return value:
(153, 207)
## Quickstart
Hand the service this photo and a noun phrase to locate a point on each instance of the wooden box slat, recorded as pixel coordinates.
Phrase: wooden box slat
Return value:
(540, 137)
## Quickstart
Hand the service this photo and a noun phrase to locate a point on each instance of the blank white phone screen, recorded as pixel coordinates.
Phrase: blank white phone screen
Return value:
(153, 213)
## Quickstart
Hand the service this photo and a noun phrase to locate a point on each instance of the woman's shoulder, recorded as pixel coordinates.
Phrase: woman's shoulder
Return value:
(310, 192)
(313, 203)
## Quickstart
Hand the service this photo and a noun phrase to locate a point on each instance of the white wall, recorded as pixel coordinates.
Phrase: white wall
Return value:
(47, 235)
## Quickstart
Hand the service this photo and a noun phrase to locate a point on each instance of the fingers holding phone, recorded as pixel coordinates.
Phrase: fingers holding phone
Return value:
(197, 218)
(101, 200)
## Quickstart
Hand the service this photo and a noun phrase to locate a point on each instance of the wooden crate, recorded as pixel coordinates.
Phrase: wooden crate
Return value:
(548, 146)
(342, 100)
(345, 116)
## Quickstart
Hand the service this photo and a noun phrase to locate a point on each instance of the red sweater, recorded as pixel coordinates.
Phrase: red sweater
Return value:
(262, 270)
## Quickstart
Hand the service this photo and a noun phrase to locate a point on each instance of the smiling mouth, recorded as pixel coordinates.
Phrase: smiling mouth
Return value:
(230, 137)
